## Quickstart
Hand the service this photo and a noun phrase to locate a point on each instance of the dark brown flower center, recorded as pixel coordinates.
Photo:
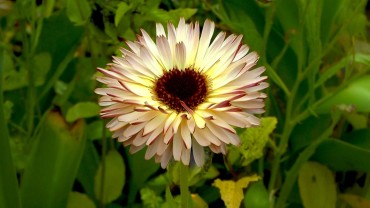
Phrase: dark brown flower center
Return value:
(178, 87)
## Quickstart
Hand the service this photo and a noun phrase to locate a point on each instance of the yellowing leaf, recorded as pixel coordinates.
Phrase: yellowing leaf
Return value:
(355, 201)
(232, 192)
(254, 139)
(114, 178)
(317, 186)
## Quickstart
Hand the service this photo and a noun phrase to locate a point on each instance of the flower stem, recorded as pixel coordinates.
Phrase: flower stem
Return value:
(184, 186)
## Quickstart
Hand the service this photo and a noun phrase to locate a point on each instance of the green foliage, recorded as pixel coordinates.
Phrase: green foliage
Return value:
(54, 163)
(110, 177)
(317, 186)
(255, 139)
(316, 124)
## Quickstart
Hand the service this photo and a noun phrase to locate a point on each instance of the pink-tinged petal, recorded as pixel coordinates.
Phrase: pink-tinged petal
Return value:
(177, 146)
(166, 157)
(260, 86)
(257, 103)
(185, 156)
(180, 55)
(151, 150)
(169, 121)
(198, 154)
(201, 138)
(140, 139)
(153, 136)
(134, 149)
(233, 137)
(204, 41)
(160, 30)
(191, 125)
(134, 46)
(181, 31)
(254, 120)
(150, 62)
(221, 123)
(134, 129)
(241, 53)
(176, 123)
(206, 133)
(171, 37)
(185, 134)
(218, 132)
(161, 145)
(168, 136)
(154, 123)
(165, 52)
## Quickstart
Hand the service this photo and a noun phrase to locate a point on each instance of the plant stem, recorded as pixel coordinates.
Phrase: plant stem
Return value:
(184, 185)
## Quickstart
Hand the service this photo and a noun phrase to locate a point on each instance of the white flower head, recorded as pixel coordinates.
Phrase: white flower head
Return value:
(182, 92)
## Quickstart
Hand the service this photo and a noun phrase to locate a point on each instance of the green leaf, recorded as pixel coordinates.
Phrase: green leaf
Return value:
(254, 139)
(121, 11)
(169, 198)
(150, 198)
(257, 196)
(243, 17)
(317, 186)
(89, 164)
(50, 174)
(232, 192)
(141, 170)
(109, 187)
(335, 68)
(9, 192)
(163, 16)
(78, 200)
(357, 94)
(78, 11)
(351, 154)
(82, 110)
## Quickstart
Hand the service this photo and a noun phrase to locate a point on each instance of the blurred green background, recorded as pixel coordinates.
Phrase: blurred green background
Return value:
(312, 149)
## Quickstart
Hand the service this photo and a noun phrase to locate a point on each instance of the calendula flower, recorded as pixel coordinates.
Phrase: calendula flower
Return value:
(182, 92)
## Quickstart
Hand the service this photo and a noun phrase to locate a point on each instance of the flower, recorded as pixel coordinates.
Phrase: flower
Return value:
(182, 93)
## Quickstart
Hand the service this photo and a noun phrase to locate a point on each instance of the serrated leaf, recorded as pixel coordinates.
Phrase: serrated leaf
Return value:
(254, 139)
(82, 110)
(77, 200)
(121, 11)
(317, 186)
(150, 198)
(232, 192)
(79, 11)
(114, 178)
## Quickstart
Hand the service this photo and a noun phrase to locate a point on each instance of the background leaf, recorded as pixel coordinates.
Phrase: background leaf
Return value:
(78, 200)
(317, 186)
(82, 110)
(110, 177)
(52, 169)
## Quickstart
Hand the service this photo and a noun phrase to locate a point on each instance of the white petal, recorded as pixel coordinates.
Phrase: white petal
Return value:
(160, 30)
(198, 154)
(177, 146)
(185, 156)
(204, 41)
(185, 134)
